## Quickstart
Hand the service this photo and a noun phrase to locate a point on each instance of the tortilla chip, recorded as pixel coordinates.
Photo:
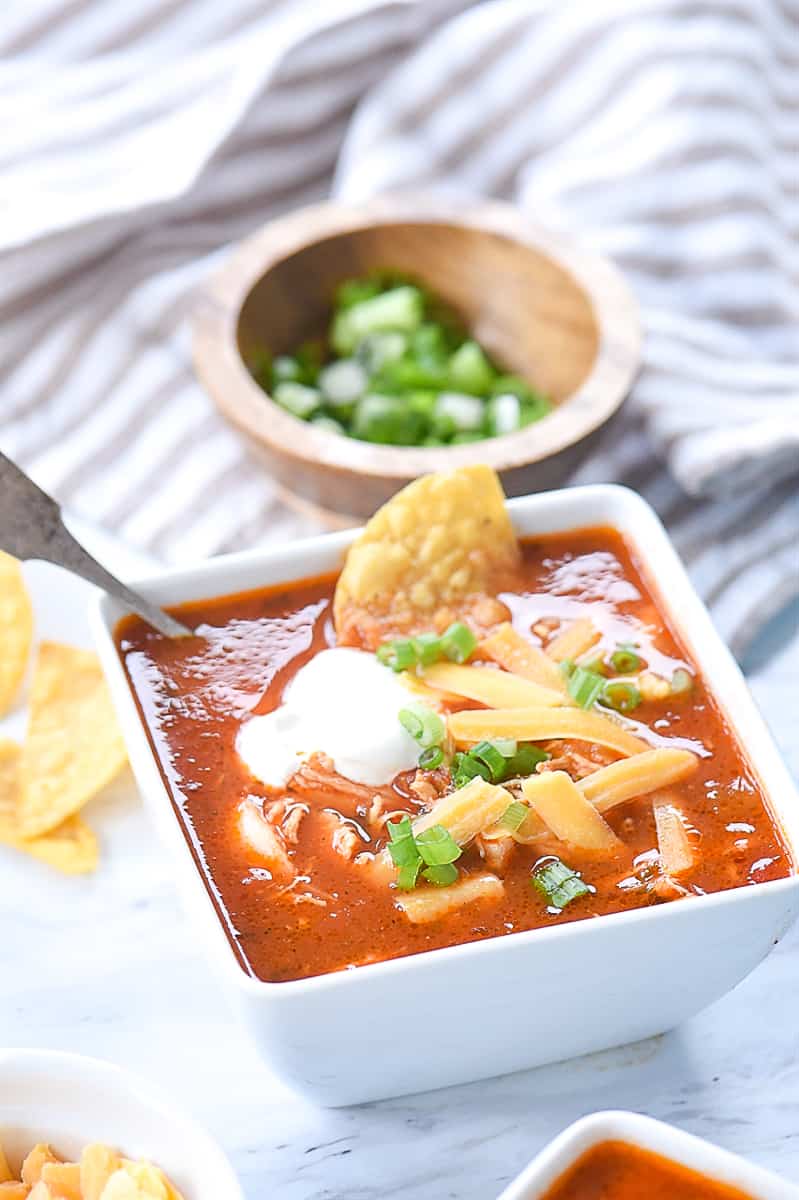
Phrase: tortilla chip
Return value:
(97, 1164)
(71, 847)
(73, 747)
(63, 1180)
(442, 538)
(5, 1170)
(16, 629)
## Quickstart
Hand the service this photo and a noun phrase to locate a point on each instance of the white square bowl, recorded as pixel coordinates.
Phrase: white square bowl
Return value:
(719, 1165)
(584, 986)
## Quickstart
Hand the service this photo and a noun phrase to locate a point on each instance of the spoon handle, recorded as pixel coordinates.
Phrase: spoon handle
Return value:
(31, 527)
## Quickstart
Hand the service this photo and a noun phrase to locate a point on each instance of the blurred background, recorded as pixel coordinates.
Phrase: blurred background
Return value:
(142, 139)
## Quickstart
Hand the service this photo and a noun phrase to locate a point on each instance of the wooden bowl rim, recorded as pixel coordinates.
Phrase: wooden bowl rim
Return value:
(217, 357)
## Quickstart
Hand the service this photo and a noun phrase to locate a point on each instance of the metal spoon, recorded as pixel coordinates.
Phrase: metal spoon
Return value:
(31, 527)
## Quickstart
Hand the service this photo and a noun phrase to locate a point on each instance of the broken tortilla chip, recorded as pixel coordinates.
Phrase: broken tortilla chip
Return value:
(441, 539)
(71, 847)
(73, 747)
(16, 629)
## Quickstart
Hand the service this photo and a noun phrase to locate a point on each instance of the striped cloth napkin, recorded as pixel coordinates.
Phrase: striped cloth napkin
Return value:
(139, 141)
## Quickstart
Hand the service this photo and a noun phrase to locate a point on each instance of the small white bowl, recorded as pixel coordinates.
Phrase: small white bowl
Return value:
(719, 1165)
(69, 1101)
(576, 988)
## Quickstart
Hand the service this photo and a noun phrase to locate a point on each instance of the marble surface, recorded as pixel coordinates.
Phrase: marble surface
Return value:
(109, 966)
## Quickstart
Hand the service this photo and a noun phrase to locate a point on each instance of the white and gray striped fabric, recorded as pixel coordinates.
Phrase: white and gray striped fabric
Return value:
(140, 139)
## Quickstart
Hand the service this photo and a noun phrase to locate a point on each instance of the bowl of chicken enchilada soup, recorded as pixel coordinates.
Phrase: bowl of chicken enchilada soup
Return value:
(479, 767)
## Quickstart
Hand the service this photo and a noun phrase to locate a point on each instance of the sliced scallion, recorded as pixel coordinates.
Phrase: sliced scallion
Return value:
(525, 761)
(625, 660)
(514, 816)
(428, 648)
(425, 726)
(441, 876)
(506, 746)
(558, 883)
(399, 654)
(621, 695)
(585, 686)
(408, 874)
(437, 846)
(431, 758)
(682, 681)
(458, 642)
(487, 753)
(296, 398)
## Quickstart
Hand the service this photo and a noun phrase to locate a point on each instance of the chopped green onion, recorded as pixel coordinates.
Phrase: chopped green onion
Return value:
(625, 660)
(525, 761)
(470, 371)
(506, 746)
(431, 758)
(286, 369)
(585, 686)
(486, 752)
(386, 420)
(458, 642)
(437, 846)
(424, 725)
(504, 414)
(343, 382)
(566, 667)
(514, 816)
(378, 349)
(465, 769)
(401, 308)
(399, 654)
(681, 681)
(441, 876)
(428, 648)
(296, 398)
(322, 421)
(408, 874)
(465, 412)
(558, 883)
(621, 695)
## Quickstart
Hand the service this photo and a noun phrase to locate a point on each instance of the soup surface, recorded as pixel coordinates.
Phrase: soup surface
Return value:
(295, 855)
(619, 1171)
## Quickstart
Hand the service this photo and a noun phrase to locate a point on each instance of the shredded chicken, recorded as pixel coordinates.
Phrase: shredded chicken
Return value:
(345, 841)
(319, 774)
(496, 852)
(293, 820)
(666, 887)
(576, 762)
(545, 627)
(429, 785)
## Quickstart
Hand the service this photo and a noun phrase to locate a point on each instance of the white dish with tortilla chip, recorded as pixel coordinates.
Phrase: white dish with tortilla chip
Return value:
(70, 1102)
(467, 1012)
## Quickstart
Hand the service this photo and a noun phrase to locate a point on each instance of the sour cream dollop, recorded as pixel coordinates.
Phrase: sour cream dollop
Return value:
(342, 703)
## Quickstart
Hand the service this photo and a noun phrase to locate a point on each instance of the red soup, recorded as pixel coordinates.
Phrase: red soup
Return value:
(557, 756)
(618, 1171)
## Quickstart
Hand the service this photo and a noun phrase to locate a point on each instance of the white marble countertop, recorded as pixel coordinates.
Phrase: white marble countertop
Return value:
(109, 966)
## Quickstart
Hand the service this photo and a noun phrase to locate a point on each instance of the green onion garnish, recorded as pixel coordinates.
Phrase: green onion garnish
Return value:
(435, 850)
(514, 816)
(431, 758)
(437, 846)
(399, 655)
(625, 660)
(441, 876)
(558, 883)
(488, 760)
(585, 686)
(408, 874)
(506, 746)
(424, 725)
(621, 695)
(488, 754)
(428, 648)
(458, 643)
(681, 681)
(525, 760)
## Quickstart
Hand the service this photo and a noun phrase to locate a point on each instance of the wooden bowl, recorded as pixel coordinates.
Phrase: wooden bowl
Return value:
(545, 309)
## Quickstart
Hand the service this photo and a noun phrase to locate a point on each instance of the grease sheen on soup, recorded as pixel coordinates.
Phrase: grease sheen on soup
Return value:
(329, 910)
